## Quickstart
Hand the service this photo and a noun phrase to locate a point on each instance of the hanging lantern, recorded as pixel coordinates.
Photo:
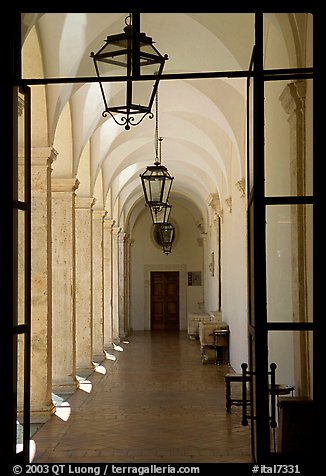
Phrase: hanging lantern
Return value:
(156, 180)
(161, 213)
(130, 54)
(167, 232)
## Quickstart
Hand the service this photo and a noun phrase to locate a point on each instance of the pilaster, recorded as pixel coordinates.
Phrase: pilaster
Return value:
(122, 286)
(107, 278)
(63, 289)
(127, 283)
(84, 291)
(98, 284)
(115, 284)
(42, 405)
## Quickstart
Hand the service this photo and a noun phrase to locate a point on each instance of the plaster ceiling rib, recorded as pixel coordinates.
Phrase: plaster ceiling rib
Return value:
(196, 123)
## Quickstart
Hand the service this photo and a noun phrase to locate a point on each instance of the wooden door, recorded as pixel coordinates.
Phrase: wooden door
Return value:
(165, 300)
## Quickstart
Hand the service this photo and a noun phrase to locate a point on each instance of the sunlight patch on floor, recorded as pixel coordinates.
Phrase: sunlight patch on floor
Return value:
(110, 356)
(63, 411)
(85, 386)
(100, 369)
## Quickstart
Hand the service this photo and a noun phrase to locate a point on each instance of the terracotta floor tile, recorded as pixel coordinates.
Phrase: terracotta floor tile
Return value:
(157, 402)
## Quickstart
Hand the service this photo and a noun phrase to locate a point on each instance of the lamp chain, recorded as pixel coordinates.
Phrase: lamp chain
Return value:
(158, 139)
(157, 155)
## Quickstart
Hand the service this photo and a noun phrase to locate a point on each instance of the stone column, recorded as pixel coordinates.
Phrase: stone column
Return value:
(115, 284)
(121, 283)
(63, 289)
(84, 320)
(42, 405)
(127, 284)
(98, 285)
(202, 241)
(107, 278)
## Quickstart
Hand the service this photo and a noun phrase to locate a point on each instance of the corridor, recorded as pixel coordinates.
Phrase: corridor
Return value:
(150, 401)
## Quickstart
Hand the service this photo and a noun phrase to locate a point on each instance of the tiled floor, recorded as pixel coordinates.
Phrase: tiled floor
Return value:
(151, 401)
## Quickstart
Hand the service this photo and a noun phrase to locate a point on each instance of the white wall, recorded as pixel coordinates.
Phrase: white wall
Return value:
(211, 291)
(234, 277)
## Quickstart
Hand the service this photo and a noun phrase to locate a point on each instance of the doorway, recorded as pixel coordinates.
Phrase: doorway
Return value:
(164, 300)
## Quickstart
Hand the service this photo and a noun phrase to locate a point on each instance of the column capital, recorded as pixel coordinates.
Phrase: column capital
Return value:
(64, 184)
(108, 223)
(228, 201)
(116, 230)
(214, 202)
(39, 156)
(84, 203)
(43, 155)
(293, 97)
(241, 186)
(99, 214)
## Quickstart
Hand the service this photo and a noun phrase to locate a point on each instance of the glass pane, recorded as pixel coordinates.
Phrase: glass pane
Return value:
(292, 352)
(21, 266)
(289, 255)
(21, 145)
(251, 283)
(20, 341)
(251, 409)
(205, 41)
(288, 138)
(250, 134)
(288, 40)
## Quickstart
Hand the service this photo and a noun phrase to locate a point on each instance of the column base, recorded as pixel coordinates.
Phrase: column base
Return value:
(98, 358)
(85, 371)
(65, 388)
(42, 415)
(110, 345)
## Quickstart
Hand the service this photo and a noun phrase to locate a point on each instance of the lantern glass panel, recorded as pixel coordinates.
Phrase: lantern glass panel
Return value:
(141, 93)
(114, 49)
(160, 214)
(156, 190)
(166, 189)
(167, 248)
(167, 234)
(118, 67)
(157, 184)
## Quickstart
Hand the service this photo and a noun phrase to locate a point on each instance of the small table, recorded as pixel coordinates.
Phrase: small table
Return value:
(221, 342)
(281, 389)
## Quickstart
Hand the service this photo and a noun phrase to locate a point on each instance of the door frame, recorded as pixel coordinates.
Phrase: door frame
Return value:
(21, 316)
(257, 238)
(258, 325)
(176, 296)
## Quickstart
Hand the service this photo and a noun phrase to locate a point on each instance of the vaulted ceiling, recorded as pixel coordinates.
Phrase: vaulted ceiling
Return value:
(202, 121)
